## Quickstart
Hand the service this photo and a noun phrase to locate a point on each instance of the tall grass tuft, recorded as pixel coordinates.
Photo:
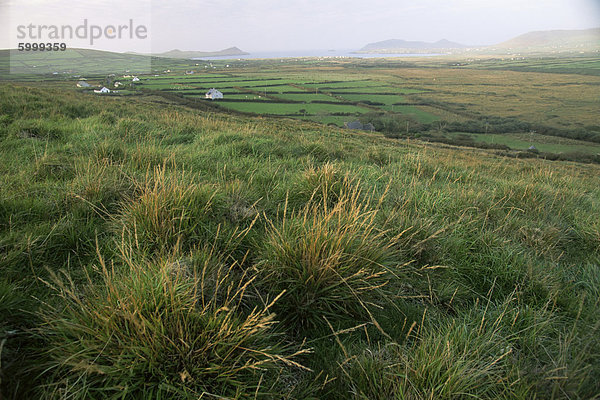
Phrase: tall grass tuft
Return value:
(169, 211)
(325, 183)
(332, 262)
(160, 329)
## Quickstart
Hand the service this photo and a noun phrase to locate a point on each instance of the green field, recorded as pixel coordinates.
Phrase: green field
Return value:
(244, 96)
(276, 88)
(342, 85)
(375, 98)
(270, 88)
(287, 109)
(305, 97)
(377, 90)
(230, 83)
(183, 78)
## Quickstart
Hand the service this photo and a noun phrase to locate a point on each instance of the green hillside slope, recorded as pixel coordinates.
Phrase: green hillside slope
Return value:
(152, 251)
(582, 39)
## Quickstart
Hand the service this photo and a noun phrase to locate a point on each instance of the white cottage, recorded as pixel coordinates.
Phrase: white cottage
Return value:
(214, 94)
(103, 90)
(135, 79)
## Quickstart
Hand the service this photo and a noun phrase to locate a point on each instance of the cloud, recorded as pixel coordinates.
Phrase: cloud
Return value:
(303, 24)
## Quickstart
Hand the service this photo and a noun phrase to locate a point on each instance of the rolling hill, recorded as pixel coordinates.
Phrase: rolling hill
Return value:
(585, 39)
(232, 51)
(403, 46)
(554, 39)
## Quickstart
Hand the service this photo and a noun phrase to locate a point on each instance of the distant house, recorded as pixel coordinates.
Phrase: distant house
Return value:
(214, 94)
(117, 84)
(135, 79)
(189, 72)
(359, 126)
(103, 90)
(83, 84)
(353, 125)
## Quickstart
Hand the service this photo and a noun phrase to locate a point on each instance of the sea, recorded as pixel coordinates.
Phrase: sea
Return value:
(312, 53)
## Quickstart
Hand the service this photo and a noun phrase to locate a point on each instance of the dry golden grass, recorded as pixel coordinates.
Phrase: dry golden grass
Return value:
(555, 99)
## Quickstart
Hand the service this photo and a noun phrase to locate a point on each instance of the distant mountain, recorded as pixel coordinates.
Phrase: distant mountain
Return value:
(232, 51)
(403, 46)
(585, 38)
(541, 41)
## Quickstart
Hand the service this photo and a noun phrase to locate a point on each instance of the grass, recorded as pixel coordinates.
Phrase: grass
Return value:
(375, 98)
(175, 322)
(541, 142)
(305, 97)
(580, 65)
(287, 109)
(463, 358)
(85, 60)
(166, 213)
(341, 85)
(558, 100)
(375, 90)
(331, 261)
(149, 250)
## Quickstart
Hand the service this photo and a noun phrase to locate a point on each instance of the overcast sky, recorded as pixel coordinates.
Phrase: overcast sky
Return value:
(264, 25)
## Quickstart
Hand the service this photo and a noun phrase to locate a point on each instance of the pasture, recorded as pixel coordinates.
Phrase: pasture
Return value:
(548, 95)
(292, 96)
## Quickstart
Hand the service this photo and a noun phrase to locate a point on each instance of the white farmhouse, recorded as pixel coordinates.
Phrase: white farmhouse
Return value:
(103, 90)
(214, 94)
(135, 79)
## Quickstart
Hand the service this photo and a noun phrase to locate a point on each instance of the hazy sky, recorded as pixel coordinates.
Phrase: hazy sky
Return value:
(262, 25)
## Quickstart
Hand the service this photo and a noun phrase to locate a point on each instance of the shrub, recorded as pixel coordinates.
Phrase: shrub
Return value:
(393, 125)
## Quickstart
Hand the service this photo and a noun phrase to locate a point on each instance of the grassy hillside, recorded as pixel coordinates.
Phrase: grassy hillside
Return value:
(21, 65)
(232, 51)
(153, 251)
(557, 39)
